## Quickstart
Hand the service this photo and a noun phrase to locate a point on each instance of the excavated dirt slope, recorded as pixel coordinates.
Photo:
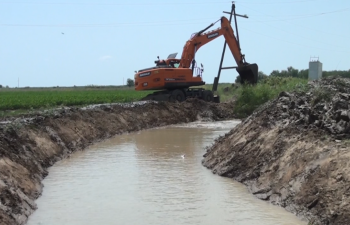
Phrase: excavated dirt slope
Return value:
(28, 146)
(294, 152)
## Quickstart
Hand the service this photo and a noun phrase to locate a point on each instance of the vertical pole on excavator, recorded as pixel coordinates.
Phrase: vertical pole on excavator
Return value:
(216, 79)
(194, 58)
(234, 11)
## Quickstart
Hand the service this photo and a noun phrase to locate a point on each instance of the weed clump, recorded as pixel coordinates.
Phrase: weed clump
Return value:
(251, 97)
(321, 95)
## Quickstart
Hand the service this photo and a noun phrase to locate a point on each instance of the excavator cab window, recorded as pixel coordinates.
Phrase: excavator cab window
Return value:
(174, 64)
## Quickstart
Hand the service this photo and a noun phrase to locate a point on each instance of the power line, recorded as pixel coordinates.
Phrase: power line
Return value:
(280, 2)
(298, 35)
(175, 22)
(308, 46)
(302, 15)
(117, 4)
(154, 3)
(156, 23)
(308, 28)
(306, 15)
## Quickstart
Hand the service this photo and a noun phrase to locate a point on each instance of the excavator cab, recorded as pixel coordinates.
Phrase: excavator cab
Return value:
(248, 73)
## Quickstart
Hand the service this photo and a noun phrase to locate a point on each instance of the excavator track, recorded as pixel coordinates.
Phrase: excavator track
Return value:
(181, 95)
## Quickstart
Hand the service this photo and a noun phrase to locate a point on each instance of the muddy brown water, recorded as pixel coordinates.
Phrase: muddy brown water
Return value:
(141, 178)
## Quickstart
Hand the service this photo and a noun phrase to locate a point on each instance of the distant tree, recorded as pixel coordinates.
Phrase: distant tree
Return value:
(275, 73)
(130, 82)
(0, 86)
(261, 75)
(291, 72)
(304, 74)
(7, 86)
(341, 73)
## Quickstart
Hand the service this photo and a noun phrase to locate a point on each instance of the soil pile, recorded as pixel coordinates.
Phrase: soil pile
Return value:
(294, 152)
(28, 146)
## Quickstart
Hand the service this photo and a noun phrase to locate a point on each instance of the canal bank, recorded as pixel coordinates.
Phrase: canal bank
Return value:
(29, 146)
(294, 152)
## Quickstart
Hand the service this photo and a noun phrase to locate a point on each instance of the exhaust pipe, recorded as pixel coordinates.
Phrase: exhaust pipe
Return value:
(248, 73)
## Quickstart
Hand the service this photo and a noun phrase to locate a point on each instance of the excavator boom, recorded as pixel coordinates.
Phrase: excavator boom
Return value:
(172, 78)
(248, 72)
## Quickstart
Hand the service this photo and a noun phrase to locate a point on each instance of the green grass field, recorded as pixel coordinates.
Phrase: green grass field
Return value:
(247, 97)
(37, 98)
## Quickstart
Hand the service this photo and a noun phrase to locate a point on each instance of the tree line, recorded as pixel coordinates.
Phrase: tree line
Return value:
(303, 74)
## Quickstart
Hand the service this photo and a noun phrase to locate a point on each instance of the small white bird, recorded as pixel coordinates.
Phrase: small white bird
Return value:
(183, 156)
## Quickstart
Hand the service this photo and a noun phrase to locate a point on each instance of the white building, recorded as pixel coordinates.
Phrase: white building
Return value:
(315, 69)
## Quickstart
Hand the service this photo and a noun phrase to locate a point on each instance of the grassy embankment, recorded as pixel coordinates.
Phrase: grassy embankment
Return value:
(248, 98)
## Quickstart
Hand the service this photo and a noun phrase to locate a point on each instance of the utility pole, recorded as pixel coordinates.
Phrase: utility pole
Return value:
(232, 13)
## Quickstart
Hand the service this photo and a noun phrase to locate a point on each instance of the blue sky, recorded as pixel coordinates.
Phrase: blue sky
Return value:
(105, 41)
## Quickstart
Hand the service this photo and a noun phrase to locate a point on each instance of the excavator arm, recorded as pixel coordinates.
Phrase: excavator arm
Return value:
(247, 72)
(200, 39)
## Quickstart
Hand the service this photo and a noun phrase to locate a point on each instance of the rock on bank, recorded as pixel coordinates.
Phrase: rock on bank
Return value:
(294, 152)
(28, 146)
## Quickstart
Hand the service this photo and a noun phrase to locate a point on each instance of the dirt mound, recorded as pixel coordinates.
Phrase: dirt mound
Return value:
(294, 152)
(326, 107)
(28, 146)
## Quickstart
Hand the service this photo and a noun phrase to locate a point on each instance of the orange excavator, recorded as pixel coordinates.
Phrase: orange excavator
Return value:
(174, 77)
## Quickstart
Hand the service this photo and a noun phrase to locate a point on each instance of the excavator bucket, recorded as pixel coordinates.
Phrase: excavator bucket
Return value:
(248, 73)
